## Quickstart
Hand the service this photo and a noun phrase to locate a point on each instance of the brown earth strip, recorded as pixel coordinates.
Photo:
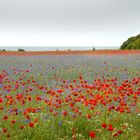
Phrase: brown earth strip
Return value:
(85, 52)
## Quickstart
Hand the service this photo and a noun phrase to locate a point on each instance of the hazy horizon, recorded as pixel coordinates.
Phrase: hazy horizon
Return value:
(48, 48)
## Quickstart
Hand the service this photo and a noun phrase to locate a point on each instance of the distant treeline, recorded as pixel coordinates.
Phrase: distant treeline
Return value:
(19, 50)
(3, 50)
(133, 43)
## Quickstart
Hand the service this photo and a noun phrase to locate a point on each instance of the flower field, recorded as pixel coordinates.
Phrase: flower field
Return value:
(70, 97)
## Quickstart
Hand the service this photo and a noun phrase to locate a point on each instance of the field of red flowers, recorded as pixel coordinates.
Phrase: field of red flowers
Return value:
(72, 52)
(70, 97)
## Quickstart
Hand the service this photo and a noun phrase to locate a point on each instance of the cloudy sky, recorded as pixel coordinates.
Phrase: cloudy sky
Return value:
(68, 22)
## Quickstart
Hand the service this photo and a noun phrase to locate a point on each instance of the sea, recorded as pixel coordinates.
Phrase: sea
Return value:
(56, 48)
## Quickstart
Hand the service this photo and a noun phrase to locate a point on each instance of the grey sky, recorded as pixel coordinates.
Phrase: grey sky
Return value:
(68, 22)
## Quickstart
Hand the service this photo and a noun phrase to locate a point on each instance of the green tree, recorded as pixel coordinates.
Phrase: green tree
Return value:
(133, 43)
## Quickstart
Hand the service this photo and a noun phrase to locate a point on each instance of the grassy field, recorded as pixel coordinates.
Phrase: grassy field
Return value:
(70, 97)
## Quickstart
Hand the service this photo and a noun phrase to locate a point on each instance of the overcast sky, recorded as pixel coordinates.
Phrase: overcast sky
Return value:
(68, 22)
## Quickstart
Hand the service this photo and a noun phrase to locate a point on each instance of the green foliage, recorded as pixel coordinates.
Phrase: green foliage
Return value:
(3, 50)
(133, 43)
(21, 50)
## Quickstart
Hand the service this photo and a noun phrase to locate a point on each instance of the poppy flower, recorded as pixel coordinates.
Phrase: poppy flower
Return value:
(104, 125)
(119, 131)
(4, 130)
(92, 134)
(88, 116)
(65, 113)
(31, 124)
(1, 100)
(21, 127)
(13, 121)
(5, 117)
(110, 127)
(115, 135)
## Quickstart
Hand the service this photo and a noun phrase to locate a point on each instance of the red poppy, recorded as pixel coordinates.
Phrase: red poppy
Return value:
(13, 121)
(110, 127)
(31, 124)
(88, 116)
(115, 135)
(5, 117)
(65, 113)
(92, 134)
(1, 100)
(4, 130)
(119, 131)
(104, 125)
(21, 127)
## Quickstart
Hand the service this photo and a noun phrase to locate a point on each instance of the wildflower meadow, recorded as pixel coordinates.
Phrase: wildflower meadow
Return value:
(75, 97)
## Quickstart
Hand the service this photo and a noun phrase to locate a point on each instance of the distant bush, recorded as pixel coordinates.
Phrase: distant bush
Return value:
(93, 49)
(3, 50)
(21, 50)
(133, 43)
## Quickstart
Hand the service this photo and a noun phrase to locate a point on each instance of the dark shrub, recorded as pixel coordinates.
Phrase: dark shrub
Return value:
(21, 50)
